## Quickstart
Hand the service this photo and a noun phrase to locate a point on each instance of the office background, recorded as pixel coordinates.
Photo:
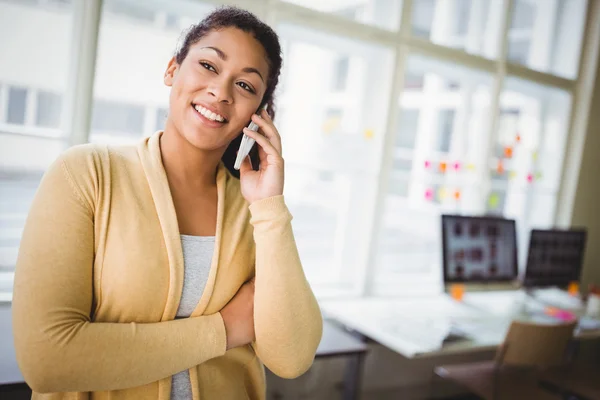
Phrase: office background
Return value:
(392, 112)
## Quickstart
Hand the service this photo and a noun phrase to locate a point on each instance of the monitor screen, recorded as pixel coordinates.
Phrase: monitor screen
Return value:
(555, 257)
(479, 249)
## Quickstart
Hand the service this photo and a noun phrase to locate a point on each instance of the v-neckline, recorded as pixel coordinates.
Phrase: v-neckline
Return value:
(150, 155)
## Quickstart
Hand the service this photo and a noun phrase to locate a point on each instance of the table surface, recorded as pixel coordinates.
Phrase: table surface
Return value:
(437, 325)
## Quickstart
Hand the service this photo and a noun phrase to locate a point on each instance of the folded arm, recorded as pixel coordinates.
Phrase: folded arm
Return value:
(287, 318)
(58, 347)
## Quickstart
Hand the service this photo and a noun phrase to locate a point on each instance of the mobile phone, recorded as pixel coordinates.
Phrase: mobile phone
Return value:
(246, 145)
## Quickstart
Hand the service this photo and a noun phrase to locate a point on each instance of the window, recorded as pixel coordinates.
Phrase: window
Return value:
(126, 92)
(117, 118)
(383, 13)
(546, 35)
(48, 109)
(471, 25)
(17, 103)
(437, 167)
(331, 143)
(385, 127)
(30, 131)
(161, 118)
(341, 74)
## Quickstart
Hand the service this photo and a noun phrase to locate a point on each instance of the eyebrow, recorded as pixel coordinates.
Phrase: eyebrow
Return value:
(223, 57)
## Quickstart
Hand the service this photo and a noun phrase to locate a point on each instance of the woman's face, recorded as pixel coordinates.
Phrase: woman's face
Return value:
(217, 88)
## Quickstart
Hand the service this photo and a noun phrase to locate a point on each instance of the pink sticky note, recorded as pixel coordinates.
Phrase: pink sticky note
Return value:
(427, 164)
(529, 178)
(429, 195)
(456, 166)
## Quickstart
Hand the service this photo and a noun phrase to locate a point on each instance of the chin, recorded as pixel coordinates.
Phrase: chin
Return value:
(206, 141)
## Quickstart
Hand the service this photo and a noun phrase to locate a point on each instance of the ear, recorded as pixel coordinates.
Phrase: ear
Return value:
(171, 72)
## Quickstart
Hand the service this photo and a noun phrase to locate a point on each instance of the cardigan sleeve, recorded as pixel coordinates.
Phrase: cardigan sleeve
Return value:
(58, 347)
(287, 318)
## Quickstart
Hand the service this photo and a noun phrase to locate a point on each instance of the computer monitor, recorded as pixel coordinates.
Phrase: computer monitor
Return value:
(479, 249)
(554, 257)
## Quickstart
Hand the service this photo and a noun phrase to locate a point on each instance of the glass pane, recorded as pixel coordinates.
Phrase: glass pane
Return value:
(438, 170)
(128, 93)
(527, 156)
(48, 109)
(37, 40)
(17, 102)
(383, 13)
(331, 121)
(471, 25)
(546, 35)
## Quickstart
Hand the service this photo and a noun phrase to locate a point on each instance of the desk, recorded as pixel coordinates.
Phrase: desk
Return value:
(418, 327)
(336, 343)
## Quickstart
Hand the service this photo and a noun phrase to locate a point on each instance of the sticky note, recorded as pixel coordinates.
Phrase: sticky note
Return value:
(427, 164)
(442, 193)
(500, 167)
(443, 166)
(493, 201)
(529, 178)
(428, 194)
(457, 194)
(456, 166)
(538, 175)
(518, 138)
(534, 155)
(369, 134)
(508, 152)
(512, 175)
(471, 167)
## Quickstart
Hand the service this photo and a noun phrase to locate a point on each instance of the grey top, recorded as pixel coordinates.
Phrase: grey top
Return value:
(197, 258)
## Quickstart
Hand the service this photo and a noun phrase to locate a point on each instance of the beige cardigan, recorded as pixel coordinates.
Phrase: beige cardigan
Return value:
(100, 273)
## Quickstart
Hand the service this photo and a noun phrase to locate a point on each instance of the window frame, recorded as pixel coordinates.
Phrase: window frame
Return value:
(78, 97)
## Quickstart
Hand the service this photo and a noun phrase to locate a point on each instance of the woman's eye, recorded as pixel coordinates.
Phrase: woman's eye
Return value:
(245, 86)
(208, 66)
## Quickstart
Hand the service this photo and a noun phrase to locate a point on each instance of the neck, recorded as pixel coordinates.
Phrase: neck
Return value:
(185, 163)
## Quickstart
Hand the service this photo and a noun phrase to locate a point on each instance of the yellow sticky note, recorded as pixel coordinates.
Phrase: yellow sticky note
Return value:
(331, 124)
(534, 155)
(471, 167)
(369, 134)
(512, 175)
(442, 193)
(538, 175)
(493, 201)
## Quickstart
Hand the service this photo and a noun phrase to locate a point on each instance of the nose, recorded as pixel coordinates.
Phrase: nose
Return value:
(221, 90)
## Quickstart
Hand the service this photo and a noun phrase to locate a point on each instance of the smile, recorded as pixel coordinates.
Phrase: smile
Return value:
(209, 114)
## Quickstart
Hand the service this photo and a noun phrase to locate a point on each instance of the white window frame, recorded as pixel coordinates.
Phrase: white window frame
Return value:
(78, 98)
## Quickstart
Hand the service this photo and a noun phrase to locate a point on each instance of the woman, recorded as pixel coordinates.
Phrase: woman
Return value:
(151, 272)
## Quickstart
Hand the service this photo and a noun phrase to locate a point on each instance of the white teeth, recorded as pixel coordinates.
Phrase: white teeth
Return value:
(209, 114)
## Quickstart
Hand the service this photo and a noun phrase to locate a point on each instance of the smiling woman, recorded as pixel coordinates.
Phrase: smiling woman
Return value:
(178, 273)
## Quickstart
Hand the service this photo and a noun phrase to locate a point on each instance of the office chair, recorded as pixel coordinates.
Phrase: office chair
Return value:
(527, 349)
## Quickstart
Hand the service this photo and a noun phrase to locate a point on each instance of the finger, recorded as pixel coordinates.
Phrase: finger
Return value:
(264, 143)
(269, 130)
(246, 165)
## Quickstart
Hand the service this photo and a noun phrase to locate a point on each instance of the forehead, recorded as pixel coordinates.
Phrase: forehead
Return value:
(241, 48)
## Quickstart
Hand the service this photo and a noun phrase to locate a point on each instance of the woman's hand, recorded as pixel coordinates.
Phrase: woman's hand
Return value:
(238, 317)
(268, 180)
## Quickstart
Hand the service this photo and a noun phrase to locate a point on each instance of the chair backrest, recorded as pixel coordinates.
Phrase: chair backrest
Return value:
(535, 345)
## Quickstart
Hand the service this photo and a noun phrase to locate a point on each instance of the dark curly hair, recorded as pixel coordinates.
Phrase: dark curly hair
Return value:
(227, 17)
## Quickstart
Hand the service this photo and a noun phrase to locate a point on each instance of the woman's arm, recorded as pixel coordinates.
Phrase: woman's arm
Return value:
(58, 348)
(287, 318)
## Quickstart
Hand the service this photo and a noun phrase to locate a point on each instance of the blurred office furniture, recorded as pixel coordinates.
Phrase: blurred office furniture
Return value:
(338, 343)
(573, 381)
(527, 349)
